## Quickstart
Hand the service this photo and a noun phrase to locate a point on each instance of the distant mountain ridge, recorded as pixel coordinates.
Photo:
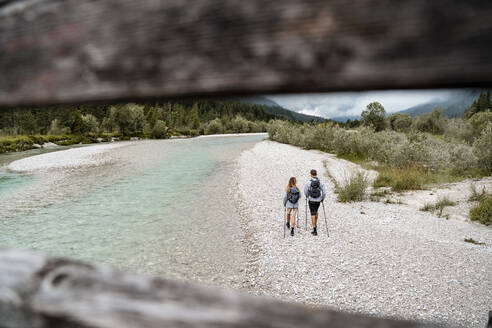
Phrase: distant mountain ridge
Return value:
(345, 118)
(454, 106)
(273, 108)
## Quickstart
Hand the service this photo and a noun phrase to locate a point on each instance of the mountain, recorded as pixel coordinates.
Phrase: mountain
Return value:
(345, 118)
(273, 108)
(453, 106)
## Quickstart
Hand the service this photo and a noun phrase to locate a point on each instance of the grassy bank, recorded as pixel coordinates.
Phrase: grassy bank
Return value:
(409, 177)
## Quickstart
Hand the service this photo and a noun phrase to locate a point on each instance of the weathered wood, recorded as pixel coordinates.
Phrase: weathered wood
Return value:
(54, 51)
(38, 291)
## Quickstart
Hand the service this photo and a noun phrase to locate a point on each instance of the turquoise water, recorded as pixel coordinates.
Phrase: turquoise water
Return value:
(162, 207)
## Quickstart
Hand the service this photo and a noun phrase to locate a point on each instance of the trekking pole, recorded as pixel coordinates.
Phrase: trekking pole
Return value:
(306, 214)
(326, 224)
(297, 221)
(283, 221)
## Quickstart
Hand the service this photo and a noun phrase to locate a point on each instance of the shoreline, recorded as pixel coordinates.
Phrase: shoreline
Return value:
(388, 260)
(77, 158)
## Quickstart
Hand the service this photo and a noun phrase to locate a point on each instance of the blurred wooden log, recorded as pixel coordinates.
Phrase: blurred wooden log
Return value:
(55, 51)
(39, 292)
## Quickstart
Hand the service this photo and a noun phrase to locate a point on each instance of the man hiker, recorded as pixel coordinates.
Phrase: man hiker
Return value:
(315, 192)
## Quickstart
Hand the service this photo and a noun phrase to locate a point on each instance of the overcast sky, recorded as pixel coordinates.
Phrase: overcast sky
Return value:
(353, 103)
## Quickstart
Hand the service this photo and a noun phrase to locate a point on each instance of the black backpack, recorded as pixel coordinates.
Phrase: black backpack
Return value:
(315, 190)
(294, 195)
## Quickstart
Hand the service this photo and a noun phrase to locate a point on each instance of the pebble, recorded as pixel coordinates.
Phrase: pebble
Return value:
(391, 260)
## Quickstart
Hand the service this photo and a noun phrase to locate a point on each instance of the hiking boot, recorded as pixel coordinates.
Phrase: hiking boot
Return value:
(292, 232)
(287, 225)
(314, 232)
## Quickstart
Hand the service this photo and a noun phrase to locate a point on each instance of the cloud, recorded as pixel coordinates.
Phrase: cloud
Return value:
(353, 103)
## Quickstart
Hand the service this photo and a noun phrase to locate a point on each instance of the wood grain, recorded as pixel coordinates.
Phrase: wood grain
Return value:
(40, 292)
(56, 51)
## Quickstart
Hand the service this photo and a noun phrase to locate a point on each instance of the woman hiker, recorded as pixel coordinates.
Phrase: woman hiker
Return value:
(291, 202)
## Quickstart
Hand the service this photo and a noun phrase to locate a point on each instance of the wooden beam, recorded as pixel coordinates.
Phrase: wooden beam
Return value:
(40, 292)
(56, 51)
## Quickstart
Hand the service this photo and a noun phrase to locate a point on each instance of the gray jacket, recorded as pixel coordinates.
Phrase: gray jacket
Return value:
(312, 199)
(288, 204)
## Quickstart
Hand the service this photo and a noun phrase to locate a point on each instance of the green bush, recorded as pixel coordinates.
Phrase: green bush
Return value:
(438, 206)
(482, 212)
(408, 178)
(214, 127)
(160, 130)
(482, 148)
(354, 190)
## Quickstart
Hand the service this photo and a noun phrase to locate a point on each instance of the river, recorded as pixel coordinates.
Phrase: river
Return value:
(160, 207)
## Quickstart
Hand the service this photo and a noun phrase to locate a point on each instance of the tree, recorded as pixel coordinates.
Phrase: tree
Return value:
(89, 124)
(214, 126)
(160, 130)
(400, 122)
(374, 116)
(77, 123)
(482, 104)
(56, 128)
(240, 124)
(28, 122)
(193, 118)
(430, 122)
(129, 118)
(479, 121)
(482, 148)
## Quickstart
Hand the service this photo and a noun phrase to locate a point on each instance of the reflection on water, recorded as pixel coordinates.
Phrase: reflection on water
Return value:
(161, 207)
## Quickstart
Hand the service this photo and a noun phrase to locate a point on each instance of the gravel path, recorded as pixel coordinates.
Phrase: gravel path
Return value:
(382, 259)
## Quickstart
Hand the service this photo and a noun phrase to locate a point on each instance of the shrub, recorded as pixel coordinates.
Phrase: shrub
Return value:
(89, 124)
(160, 130)
(482, 148)
(439, 205)
(482, 212)
(56, 128)
(354, 190)
(215, 126)
(479, 122)
(408, 178)
(475, 194)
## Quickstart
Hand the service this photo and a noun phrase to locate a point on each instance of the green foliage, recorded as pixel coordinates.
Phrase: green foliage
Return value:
(400, 179)
(374, 116)
(438, 206)
(214, 127)
(430, 122)
(56, 128)
(159, 131)
(459, 130)
(475, 195)
(190, 117)
(129, 118)
(89, 124)
(353, 190)
(482, 212)
(400, 122)
(482, 149)
(479, 122)
(482, 104)
(194, 118)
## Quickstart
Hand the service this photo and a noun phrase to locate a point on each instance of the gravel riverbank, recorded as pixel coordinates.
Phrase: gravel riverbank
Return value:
(381, 259)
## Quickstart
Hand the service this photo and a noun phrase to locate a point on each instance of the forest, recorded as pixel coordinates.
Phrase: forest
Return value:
(25, 128)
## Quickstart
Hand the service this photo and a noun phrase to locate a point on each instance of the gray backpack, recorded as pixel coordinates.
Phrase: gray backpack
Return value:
(293, 195)
(315, 189)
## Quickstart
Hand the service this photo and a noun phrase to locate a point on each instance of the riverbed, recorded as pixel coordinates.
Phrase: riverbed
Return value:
(159, 207)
